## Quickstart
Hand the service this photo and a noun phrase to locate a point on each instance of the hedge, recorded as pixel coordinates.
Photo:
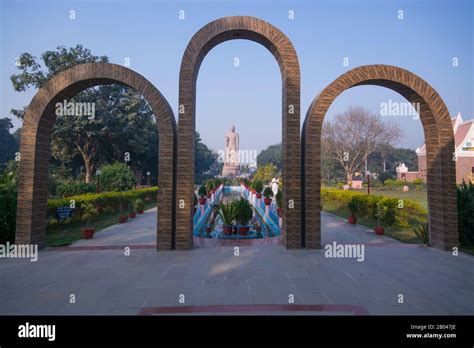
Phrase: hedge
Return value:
(109, 201)
(409, 214)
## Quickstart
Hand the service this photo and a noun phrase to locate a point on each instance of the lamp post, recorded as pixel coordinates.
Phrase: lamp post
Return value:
(368, 183)
(148, 179)
(97, 174)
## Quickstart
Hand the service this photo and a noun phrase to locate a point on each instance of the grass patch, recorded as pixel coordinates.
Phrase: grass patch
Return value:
(467, 250)
(405, 235)
(66, 234)
(421, 197)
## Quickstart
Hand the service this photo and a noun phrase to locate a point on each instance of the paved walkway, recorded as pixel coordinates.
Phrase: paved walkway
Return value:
(213, 280)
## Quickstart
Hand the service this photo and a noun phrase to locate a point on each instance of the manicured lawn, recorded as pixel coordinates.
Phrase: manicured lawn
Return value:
(403, 235)
(420, 197)
(65, 234)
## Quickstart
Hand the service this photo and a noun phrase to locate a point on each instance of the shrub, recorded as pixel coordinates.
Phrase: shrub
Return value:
(267, 193)
(353, 206)
(257, 185)
(422, 232)
(385, 176)
(108, 200)
(88, 211)
(209, 185)
(8, 200)
(139, 205)
(74, 188)
(465, 196)
(409, 214)
(202, 192)
(117, 177)
(244, 211)
(382, 210)
(394, 184)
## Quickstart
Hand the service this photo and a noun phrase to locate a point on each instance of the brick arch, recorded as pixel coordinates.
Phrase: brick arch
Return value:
(212, 34)
(439, 139)
(36, 142)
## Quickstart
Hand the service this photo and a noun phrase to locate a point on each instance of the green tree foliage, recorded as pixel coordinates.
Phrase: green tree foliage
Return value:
(271, 155)
(8, 201)
(116, 177)
(123, 120)
(8, 142)
(465, 196)
(205, 161)
(265, 173)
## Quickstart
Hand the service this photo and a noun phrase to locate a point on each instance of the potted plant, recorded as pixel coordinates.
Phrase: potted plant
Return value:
(268, 194)
(227, 213)
(243, 216)
(122, 218)
(209, 187)
(88, 211)
(279, 202)
(139, 205)
(132, 214)
(381, 212)
(202, 192)
(353, 206)
(258, 187)
(422, 232)
(210, 228)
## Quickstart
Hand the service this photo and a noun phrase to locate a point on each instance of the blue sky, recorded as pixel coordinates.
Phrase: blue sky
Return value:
(323, 33)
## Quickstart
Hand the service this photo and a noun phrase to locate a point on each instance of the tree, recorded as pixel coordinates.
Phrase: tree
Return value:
(354, 135)
(123, 121)
(205, 161)
(271, 155)
(265, 173)
(8, 143)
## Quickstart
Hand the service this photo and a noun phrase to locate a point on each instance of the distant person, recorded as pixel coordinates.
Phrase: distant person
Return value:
(275, 184)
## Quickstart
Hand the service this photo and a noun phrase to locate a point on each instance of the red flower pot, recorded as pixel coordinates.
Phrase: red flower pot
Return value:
(267, 201)
(379, 230)
(352, 220)
(140, 211)
(202, 200)
(279, 211)
(259, 195)
(88, 232)
(227, 229)
(122, 219)
(209, 195)
(132, 215)
(243, 230)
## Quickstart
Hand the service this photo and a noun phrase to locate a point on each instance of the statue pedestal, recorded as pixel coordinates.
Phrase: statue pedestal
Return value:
(230, 171)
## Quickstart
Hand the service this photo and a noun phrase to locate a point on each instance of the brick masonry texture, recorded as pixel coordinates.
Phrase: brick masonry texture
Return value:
(36, 141)
(301, 155)
(214, 33)
(439, 140)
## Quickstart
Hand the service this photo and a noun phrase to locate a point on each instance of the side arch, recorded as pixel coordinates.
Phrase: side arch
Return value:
(36, 142)
(439, 137)
(214, 33)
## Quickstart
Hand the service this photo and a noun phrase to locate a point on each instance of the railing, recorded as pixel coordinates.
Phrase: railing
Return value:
(204, 211)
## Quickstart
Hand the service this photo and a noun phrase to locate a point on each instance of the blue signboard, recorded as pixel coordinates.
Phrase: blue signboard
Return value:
(64, 212)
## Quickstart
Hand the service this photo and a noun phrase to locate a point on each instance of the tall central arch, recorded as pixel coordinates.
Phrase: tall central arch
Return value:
(439, 138)
(214, 33)
(36, 142)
